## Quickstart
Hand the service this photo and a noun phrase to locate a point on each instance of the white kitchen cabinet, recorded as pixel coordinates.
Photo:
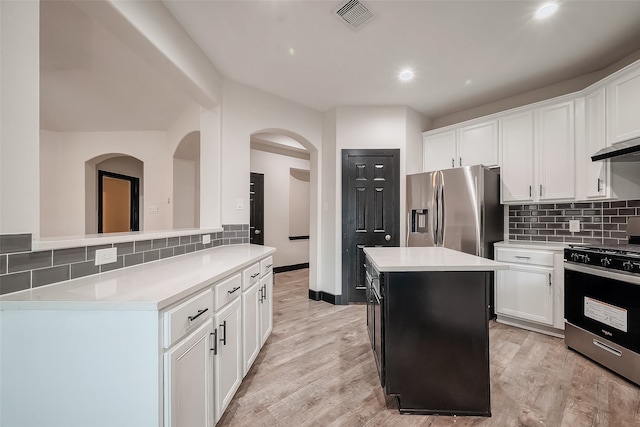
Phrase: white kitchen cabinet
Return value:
(517, 170)
(623, 106)
(593, 179)
(531, 293)
(228, 358)
(478, 144)
(439, 150)
(188, 385)
(556, 156)
(251, 336)
(266, 307)
(538, 154)
(465, 145)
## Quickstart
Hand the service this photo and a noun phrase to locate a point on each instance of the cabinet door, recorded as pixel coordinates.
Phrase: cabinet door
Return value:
(623, 107)
(478, 144)
(556, 152)
(266, 307)
(251, 337)
(596, 174)
(439, 150)
(188, 380)
(516, 139)
(525, 293)
(228, 361)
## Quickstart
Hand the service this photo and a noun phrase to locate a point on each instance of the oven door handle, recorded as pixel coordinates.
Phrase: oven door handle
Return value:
(608, 274)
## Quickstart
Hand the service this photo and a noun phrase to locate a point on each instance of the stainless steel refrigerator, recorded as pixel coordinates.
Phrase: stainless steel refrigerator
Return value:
(456, 208)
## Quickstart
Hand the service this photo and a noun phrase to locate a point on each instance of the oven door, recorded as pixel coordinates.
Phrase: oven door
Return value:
(603, 302)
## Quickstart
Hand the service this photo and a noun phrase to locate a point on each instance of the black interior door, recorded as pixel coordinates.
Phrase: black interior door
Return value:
(370, 212)
(256, 206)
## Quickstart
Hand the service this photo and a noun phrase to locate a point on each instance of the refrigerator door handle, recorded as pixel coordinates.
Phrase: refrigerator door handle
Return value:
(442, 212)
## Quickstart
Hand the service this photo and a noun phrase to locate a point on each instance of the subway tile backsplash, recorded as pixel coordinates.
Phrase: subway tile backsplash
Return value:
(21, 268)
(600, 222)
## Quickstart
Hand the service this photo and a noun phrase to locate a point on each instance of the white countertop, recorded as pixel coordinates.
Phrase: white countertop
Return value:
(429, 259)
(150, 286)
(549, 246)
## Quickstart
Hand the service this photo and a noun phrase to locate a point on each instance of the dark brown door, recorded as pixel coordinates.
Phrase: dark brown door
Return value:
(256, 206)
(370, 212)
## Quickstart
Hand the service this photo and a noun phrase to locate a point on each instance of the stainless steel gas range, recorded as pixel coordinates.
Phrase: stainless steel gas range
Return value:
(602, 302)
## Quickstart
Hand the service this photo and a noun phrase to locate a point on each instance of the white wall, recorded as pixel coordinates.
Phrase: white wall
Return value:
(416, 124)
(299, 202)
(275, 168)
(248, 111)
(19, 121)
(184, 193)
(64, 170)
(363, 128)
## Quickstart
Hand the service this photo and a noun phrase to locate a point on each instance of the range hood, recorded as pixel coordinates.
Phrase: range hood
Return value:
(625, 151)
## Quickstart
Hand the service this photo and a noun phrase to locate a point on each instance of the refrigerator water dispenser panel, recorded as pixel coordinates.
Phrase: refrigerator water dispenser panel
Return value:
(419, 220)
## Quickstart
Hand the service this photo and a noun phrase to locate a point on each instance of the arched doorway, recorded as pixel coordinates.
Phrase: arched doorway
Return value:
(288, 162)
(186, 182)
(114, 185)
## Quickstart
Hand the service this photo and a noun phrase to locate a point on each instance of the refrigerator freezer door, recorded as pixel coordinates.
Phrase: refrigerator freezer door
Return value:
(421, 209)
(461, 209)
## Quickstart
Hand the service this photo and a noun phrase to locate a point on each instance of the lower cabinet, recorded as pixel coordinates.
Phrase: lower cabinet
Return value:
(228, 357)
(188, 385)
(526, 292)
(251, 337)
(531, 293)
(266, 307)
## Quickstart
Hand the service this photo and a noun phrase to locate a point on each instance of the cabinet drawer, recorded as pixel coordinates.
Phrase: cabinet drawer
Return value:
(250, 276)
(266, 266)
(524, 256)
(228, 290)
(186, 317)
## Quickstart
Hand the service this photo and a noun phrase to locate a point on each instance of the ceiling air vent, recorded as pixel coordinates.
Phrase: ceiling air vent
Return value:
(355, 14)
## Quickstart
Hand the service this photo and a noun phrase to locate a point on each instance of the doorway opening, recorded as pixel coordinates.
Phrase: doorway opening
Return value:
(256, 209)
(282, 160)
(118, 203)
(186, 182)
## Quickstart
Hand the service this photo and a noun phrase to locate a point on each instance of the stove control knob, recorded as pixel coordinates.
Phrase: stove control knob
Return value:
(605, 262)
(627, 266)
(585, 258)
(574, 256)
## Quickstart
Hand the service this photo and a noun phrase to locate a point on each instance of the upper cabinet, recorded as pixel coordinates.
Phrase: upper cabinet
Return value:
(475, 144)
(478, 144)
(593, 179)
(623, 106)
(538, 154)
(517, 172)
(556, 152)
(440, 150)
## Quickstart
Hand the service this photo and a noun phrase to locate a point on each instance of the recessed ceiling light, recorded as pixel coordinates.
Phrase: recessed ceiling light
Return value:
(546, 10)
(292, 51)
(468, 82)
(405, 75)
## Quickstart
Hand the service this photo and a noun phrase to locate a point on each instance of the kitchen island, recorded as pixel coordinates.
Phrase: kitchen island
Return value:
(430, 331)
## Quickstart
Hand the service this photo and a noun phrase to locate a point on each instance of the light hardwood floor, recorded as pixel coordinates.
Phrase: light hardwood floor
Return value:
(317, 369)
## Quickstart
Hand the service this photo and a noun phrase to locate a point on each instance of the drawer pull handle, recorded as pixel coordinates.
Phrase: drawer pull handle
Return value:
(200, 313)
(233, 290)
(253, 276)
(269, 266)
(224, 333)
(523, 257)
(607, 348)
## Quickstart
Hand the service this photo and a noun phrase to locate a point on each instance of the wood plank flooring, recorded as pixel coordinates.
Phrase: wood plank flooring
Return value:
(317, 369)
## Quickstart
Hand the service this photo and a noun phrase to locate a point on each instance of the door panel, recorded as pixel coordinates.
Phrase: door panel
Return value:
(118, 202)
(370, 212)
(461, 225)
(256, 209)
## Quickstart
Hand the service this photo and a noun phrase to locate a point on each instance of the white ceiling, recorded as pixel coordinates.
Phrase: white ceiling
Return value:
(464, 53)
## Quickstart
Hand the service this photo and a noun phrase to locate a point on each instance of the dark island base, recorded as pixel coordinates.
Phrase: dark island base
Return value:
(437, 341)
